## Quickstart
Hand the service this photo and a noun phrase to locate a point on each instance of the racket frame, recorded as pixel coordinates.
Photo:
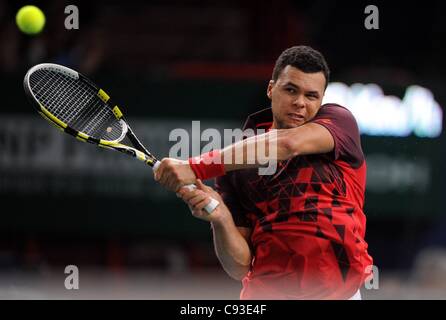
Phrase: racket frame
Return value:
(140, 152)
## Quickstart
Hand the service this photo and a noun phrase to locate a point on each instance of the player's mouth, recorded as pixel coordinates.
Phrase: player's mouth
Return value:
(296, 117)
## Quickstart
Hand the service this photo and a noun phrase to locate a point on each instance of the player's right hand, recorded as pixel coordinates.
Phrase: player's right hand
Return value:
(174, 173)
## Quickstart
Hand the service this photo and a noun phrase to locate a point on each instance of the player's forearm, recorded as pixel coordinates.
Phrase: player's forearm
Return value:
(263, 151)
(231, 248)
(259, 150)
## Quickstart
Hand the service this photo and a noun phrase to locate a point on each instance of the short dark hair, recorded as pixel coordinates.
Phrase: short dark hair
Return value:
(304, 58)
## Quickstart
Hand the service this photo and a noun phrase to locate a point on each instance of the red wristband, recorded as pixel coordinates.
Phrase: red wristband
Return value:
(208, 165)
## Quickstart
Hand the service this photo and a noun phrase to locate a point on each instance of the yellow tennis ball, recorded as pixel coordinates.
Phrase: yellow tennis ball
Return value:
(30, 20)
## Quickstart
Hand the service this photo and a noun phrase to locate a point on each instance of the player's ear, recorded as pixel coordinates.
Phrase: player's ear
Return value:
(269, 90)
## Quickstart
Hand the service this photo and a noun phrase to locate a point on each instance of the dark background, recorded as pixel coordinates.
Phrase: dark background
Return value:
(170, 62)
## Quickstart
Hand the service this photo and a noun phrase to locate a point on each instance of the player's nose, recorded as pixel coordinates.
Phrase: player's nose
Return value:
(299, 102)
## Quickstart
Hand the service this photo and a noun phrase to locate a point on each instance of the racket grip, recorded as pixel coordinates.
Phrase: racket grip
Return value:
(156, 165)
(210, 207)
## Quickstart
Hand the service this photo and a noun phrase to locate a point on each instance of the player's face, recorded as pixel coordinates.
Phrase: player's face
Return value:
(296, 97)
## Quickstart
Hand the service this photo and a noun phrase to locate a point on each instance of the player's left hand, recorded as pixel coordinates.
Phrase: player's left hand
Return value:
(173, 174)
(198, 198)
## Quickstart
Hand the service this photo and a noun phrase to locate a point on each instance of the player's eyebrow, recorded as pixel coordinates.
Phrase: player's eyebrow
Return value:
(313, 92)
(289, 83)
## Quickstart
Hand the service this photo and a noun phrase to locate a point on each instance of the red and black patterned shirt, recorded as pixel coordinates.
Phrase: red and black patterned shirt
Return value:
(307, 219)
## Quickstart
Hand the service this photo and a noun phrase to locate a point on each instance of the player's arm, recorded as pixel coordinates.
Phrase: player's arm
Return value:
(283, 144)
(232, 249)
(257, 151)
(231, 243)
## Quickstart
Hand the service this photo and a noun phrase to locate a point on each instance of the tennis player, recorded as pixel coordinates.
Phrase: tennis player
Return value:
(298, 233)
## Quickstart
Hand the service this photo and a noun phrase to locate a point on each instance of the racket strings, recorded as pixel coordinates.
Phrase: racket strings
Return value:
(62, 96)
(75, 103)
(53, 94)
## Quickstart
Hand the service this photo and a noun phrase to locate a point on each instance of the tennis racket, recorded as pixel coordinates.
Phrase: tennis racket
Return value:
(76, 106)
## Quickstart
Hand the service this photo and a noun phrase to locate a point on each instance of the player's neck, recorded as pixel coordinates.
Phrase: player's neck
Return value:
(273, 125)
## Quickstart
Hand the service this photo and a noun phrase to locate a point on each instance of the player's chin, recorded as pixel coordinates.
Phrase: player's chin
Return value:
(292, 124)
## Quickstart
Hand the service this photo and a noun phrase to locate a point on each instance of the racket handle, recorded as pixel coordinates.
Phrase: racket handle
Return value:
(210, 207)
(156, 165)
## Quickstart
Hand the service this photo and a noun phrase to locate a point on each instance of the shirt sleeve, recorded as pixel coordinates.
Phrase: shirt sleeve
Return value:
(225, 187)
(342, 125)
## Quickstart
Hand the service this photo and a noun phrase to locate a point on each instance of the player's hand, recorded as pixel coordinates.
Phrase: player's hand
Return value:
(198, 198)
(173, 174)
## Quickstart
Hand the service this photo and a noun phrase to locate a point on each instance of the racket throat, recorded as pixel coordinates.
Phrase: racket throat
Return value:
(136, 154)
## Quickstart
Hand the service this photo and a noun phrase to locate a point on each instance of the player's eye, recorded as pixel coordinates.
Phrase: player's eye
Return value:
(291, 90)
(311, 96)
